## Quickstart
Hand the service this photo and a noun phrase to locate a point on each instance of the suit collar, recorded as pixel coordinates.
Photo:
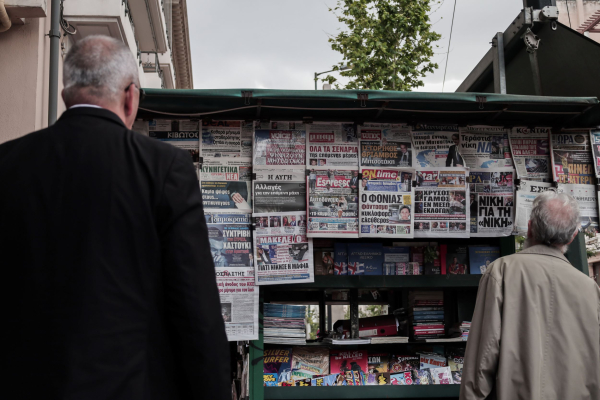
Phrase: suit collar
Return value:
(92, 112)
(544, 250)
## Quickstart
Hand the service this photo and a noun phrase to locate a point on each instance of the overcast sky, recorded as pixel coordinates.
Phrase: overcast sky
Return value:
(280, 44)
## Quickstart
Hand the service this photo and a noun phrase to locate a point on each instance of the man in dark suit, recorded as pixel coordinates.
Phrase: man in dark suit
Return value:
(454, 159)
(110, 279)
(354, 181)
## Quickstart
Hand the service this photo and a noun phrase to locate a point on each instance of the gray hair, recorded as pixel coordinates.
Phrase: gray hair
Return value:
(554, 219)
(99, 67)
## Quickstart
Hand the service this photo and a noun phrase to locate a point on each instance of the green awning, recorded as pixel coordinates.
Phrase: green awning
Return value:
(371, 106)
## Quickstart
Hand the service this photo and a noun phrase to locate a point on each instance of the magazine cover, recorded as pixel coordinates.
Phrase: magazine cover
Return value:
(340, 259)
(480, 257)
(395, 260)
(382, 378)
(347, 361)
(329, 380)
(402, 378)
(422, 377)
(377, 363)
(308, 362)
(431, 260)
(441, 376)
(399, 363)
(456, 377)
(455, 363)
(454, 259)
(303, 382)
(365, 259)
(432, 361)
(277, 365)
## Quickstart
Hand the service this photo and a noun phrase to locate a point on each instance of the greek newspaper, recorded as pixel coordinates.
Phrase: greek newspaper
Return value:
(441, 203)
(485, 147)
(385, 203)
(491, 201)
(183, 134)
(588, 204)
(531, 153)
(572, 158)
(230, 241)
(280, 191)
(333, 202)
(331, 145)
(385, 145)
(281, 147)
(436, 146)
(595, 139)
(526, 193)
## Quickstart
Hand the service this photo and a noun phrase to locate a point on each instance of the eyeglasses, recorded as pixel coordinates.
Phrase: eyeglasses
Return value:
(142, 92)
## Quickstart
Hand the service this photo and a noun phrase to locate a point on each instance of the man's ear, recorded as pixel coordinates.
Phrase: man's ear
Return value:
(573, 237)
(529, 234)
(130, 107)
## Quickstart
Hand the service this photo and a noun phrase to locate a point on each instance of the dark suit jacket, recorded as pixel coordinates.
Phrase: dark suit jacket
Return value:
(107, 268)
(454, 157)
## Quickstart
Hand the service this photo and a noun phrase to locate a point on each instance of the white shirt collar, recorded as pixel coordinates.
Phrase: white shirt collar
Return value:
(84, 105)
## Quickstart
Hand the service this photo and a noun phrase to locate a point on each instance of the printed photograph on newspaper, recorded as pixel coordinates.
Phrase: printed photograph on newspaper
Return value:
(331, 144)
(333, 202)
(224, 195)
(440, 203)
(595, 141)
(227, 143)
(230, 238)
(525, 194)
(530, 148)
(572, 160)
(184, 134)
(436, 146)
(283, 146)
(385, 203)
(588, 204)
(385, 145)
(239, 302)
(491, 201)
(283, 253)
(485, 147)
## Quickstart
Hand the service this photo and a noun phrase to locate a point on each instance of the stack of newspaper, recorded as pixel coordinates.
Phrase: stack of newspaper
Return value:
(284, 324)
(464, 328)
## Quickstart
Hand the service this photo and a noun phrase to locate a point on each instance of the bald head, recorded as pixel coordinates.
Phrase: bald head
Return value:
(102, 71)
(554, 219)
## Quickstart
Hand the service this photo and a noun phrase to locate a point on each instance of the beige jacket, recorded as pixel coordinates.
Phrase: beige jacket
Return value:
(535, 333)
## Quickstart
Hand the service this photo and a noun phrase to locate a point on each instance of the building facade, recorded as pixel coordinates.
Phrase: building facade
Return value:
(156, 31)
(581, 15)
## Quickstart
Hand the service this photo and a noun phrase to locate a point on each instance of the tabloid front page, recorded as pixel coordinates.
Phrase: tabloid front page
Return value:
(595, 142)
(385, 145)
(526, 193)
(585, 195)
(385, 203)
(441, 203)
(572, 158)
(491, 201)
(436, 146)
(183, 134)
(281, 147)
(333, 202)
(331, 145)
(485, 147)
(530, 149)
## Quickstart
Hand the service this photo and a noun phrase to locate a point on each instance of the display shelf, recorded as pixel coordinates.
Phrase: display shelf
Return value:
(364, 392)
(383, 281)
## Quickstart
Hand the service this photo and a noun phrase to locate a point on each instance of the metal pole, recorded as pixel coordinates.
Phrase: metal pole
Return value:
(316, 81)
(54, 53)
(499, 65)
(535, 69)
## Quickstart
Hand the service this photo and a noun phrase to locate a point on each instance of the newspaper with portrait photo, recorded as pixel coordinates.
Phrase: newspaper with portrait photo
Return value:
(440, 203)
(239, 302)
(572, 160)
(385, 203)
(331, 144)
(436, 146)
(283, 146)
(385, 145)
(485, 147)
(530, 148)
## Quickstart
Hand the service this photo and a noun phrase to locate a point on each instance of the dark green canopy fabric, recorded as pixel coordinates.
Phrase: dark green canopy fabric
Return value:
(371, 106)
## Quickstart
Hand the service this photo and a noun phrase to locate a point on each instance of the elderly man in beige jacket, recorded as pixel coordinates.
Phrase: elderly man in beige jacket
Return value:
(535, 333)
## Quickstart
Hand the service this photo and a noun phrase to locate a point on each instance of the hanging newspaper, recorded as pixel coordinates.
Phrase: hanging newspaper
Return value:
(386, 203)
(184, 134)
(226, 195)
(526, 193)
(585, 195)
(572, 158)
(333, 202)
(331, 145)
(531, 153)
(491, 201)
(385, 145)
(226, 151)
(485, 147)
(283, 253)
(281, 147)
(239, 302)
(281, 191)
(440, 203)
(436, 146)
(230, 238)
(595, 139)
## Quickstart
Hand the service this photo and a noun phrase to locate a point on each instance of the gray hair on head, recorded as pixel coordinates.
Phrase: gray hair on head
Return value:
(98, 68)
(554, 219)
